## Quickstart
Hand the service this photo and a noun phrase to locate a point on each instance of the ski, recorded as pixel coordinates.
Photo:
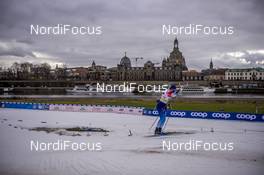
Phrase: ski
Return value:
(170, 133)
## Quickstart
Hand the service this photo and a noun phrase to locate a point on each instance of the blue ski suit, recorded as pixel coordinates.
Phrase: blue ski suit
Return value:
(162, 106)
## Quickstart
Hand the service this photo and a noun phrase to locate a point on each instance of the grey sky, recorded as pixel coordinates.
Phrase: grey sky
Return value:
(134, 27)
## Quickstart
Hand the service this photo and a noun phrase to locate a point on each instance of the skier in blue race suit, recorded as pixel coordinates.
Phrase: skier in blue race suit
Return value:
(162, 107)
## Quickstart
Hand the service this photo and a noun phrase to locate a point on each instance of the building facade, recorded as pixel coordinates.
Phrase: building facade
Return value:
(97, 72)
(171, 69)
(213, 74)
(245, 74)
(192, 75)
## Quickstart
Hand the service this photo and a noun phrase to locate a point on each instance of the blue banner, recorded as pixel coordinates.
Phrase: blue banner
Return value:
(21, 105)
(150, 112)
(208, 115)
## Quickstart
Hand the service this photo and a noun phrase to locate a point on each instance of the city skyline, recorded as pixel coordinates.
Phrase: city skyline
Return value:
(133, 27)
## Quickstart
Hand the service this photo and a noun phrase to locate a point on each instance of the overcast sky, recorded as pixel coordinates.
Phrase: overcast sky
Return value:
(135, 27)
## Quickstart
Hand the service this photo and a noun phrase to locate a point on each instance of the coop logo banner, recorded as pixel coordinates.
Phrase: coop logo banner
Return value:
(208, 115)
(221, 115)
(150, 112)
(177, 113)
(199, 114)
(246, 116)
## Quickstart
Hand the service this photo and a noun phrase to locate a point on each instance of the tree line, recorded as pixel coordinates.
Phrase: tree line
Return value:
(30, 71)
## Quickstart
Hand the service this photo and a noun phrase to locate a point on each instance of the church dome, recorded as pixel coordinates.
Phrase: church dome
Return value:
(125, 61)
(149, 64)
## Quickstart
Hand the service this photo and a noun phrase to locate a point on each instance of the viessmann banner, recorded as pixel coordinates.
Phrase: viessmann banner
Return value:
(209, 115)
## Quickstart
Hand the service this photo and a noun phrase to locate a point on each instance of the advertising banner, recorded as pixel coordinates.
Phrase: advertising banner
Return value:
(208, 115)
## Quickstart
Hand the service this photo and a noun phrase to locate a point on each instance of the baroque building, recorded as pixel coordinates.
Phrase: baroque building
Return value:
(171, 69)
(213, 74)
(192, 75)
(245, 74)
(97, 72)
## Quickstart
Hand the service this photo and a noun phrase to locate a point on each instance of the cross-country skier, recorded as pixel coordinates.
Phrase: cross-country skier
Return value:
(161, 107)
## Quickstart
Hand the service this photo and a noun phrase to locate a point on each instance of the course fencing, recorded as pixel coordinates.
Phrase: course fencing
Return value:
(22, 105)
(208, 115)
(97, 108)
(74, 107)
(135, 111)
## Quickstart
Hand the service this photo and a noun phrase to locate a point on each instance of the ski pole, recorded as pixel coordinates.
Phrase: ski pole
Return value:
(153, 123)
(167, 119)
(165, 123)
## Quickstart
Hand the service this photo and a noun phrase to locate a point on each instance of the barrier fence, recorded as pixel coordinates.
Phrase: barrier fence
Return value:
(74, 107)
(97, 108)
(208, 115)
(22, 105)
(135, 111)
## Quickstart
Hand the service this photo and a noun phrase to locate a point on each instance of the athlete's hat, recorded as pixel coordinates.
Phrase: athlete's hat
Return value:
(173, 87)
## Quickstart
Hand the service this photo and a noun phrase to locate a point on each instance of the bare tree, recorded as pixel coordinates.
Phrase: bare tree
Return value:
(41, 71)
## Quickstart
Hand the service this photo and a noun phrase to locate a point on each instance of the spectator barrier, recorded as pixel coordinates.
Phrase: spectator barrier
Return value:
(208, 115)
(135, 111)
(74, 107)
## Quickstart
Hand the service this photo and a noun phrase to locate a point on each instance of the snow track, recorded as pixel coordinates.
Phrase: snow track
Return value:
(123, 154)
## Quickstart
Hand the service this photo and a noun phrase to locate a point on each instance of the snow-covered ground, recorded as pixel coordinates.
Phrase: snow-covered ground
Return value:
(123, 154)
